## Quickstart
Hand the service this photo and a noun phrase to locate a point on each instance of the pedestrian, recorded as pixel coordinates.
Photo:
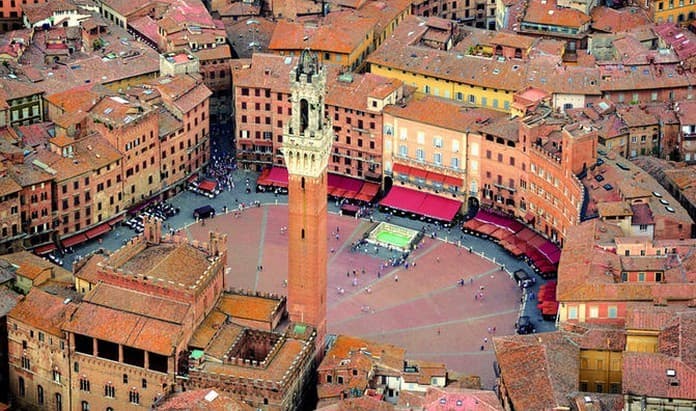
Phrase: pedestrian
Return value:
(483, 348)
(347, 273)
(485, 340)
(396, 278)
(493, 330)
(475, 296)
(438, 331)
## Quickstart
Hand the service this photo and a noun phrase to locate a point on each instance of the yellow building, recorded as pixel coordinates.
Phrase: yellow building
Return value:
(600, 371)
(673, 11)
(415, 56)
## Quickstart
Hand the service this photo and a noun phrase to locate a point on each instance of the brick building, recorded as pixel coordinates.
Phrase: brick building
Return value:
(630, 269)
(38, 351)
(354, 102)
(156, 307)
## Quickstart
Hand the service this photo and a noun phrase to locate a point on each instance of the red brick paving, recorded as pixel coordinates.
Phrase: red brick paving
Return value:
(408, 312)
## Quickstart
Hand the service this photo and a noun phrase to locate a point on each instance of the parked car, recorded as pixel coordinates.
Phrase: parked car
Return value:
(524, 325)
(523, 278)
(206, 211)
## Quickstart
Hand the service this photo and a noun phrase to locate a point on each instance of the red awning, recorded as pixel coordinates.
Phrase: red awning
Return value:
(525, 234)
(453, 181)
(368, 192)
(404, 199)
(44, 249)
(192, 179)
(440, 208)
(278, 176)
(76, 239)
(418, 173)
(117, 220)
(98, 230)
(401, 169)
(208, 185)
(435, 177)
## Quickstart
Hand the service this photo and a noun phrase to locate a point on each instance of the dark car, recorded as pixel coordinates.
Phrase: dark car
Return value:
(524, 325)
(206, 211)
(599, 162)
(523, 279)
(608, 187)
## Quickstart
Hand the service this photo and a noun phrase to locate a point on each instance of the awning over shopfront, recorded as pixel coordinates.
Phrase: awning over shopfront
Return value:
(98, 230)
(208, 185)
(439, 207)
(74, 240)
(418, 202)
(44, 249)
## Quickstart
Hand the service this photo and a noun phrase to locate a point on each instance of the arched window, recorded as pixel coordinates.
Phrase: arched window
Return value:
(304, 115)
(40, 394)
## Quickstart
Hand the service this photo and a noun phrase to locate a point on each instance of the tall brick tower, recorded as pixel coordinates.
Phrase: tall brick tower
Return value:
(307, 144)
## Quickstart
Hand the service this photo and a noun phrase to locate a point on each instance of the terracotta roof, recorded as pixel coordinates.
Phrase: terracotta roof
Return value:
(267, 71)
(14, 89)
(221, 340)
(341, 32)
(513, 40)
(162, 264)
(444, 113)
(617, 21)
(630, 190)
(446, 399)
(29, 265)
(8, 186)
(614, 209)
(184, 91)
(646, 374)
(589, 270)
(285, 359)
(357, 350)
(81, 98)
(687, 112)
(548, 12)
(426, 370)
(220, 52)
(364, 403)
(133, 330)
(207, 329)
(202, 400)
(135, 302)
(538, 370)
(634, 116)
(354, 94)
(647, 316)
(248, 307)
(43, 311)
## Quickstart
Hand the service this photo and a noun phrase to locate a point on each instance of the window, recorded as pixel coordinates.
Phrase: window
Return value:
(403, 150)
(134, 397)
(84, 384)
(572, 313)
(329, 379)
(40, 394)
(437, 142)
(125, 378)
(454, 163)
(144, 383)
(658, 276)
(85, 406)
(59, 401)
(420, 154)
(22, 388)
(26, 363)
(340, 379)
(109, 391)
(594, 312)
(437, 158)
(641, 277)
(612, 311)
(56, 376)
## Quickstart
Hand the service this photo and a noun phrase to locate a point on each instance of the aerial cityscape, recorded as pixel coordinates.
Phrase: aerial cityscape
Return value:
(348, 205)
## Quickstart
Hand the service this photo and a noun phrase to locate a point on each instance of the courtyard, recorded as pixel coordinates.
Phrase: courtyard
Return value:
(423, 308)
